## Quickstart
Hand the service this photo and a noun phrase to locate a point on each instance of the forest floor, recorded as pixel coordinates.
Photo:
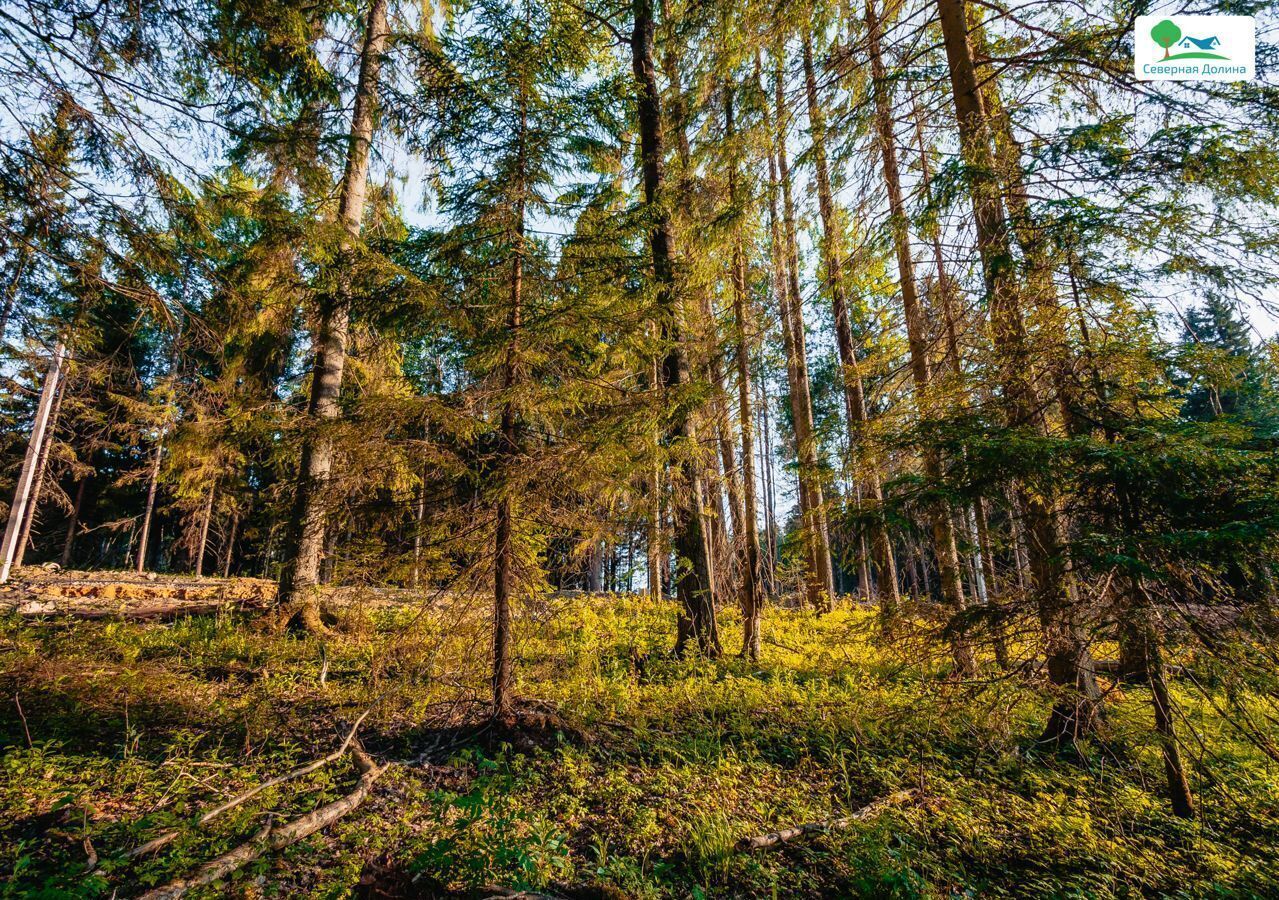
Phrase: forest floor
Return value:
(639, 782)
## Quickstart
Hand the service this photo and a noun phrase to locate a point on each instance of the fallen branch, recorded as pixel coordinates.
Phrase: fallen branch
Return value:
(168, 837)
(270, 839)
(786, 835)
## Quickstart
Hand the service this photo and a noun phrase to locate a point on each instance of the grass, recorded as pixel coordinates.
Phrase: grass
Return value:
(134, 728)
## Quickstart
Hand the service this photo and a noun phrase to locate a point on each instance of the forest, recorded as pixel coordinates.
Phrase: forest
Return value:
(654, 449)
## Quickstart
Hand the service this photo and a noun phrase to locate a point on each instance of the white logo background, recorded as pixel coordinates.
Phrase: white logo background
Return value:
(1237, 37)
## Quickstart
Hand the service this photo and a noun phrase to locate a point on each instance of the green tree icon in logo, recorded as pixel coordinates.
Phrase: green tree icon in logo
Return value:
(1166, 33)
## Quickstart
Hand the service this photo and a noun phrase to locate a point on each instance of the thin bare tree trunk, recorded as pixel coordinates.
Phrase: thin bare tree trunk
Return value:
(301, 574)
(419, 516)
(656, 547)
(864, 581)
(1143, 626)
(987, 553)
(854, 394)
(26, 478)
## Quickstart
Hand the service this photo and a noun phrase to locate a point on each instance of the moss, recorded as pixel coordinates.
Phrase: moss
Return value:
(136, 727)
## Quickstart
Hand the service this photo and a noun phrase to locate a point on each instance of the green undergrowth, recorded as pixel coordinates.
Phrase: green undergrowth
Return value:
(116, 732)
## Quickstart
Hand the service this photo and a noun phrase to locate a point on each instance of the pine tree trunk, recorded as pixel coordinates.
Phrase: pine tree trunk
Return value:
(595, 569)
(1069, 665)
(694, 574)
(770, 494)
(153, 481)
(26, 478)
(1179, 794)
(854, 394)
(864, 582)
(503, 577)
(655, 546)
(945, 288)
(1040, 289)
(73, 523)
(721, 482)
(301, 575)
(752, 593)
(944, 543)
(229, 551)
(419, 516)
(1142, 626)
(203, 545)
(42, 467)
(953, 360)
(987, 551)
(504, 551)
(656, 552)
(820, 580)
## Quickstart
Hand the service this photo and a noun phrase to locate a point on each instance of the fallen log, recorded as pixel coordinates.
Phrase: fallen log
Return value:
(160, 609)
(101, 595)
(786, 835)
(270, 839)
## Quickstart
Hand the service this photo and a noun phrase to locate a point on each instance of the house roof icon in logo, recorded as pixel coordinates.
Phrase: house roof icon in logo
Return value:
(1167, 33)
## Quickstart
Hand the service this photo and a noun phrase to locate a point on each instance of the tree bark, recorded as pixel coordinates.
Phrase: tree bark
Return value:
(73, 523)
(205, 521)
(504, 573)
(229, 551)
(693, 578)
(301, 574)
(22, 493)
(944, 542)
(1142, 627)
(595, 569)
(820, 580)
(1069, 665)
(752, 593)
(153, 481)
(770, 493)
(1040, 289)
(419, 516)
(42, 468)
(721, 482)
(854, 393)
